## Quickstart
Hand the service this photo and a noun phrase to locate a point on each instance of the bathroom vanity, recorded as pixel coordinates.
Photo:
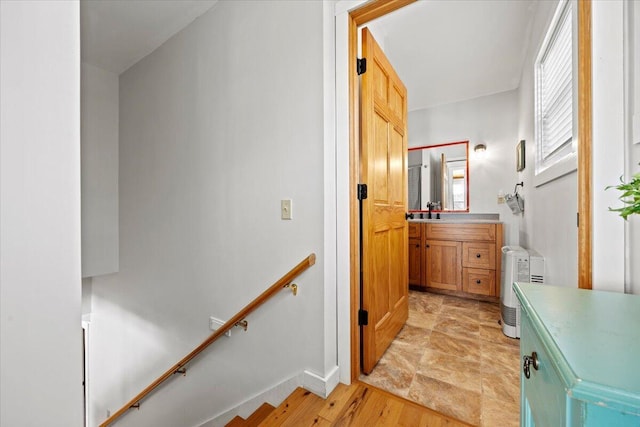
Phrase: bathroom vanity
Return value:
(579, 355)
(456, 256)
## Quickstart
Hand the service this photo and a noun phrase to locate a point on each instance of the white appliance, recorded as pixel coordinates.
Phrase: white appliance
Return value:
(518, 265)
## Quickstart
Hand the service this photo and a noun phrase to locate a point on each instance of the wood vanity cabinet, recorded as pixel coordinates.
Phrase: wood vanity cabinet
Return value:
(415, 254)
(458, 257)
(578, 357)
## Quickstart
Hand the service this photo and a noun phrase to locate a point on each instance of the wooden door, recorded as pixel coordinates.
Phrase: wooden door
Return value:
(383, 107)
(443, 264)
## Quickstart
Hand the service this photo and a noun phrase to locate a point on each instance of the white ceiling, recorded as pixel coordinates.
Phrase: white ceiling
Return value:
(444, 50)
(448, 51)
(115, 34)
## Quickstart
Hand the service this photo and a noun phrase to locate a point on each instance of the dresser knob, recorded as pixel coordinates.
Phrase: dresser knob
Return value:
(478, 281)
(528, 361)
(477, 255)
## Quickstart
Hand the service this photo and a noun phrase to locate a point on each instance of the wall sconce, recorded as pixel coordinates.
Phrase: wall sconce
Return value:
(480, 149)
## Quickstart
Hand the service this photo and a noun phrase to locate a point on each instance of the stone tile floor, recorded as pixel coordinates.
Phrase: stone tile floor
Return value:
(452, 357)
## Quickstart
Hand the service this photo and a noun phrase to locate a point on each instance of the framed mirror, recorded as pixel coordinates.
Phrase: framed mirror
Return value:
(439, 176)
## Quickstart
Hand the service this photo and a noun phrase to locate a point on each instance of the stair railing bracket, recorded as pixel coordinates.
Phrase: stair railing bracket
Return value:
(136, 405)
(182, 371)
(294, 288)
(243, 324)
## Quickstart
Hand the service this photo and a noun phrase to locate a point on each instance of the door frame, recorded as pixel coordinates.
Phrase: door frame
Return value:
(377, 8)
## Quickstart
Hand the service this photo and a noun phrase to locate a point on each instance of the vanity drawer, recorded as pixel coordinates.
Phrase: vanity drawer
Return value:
(479, 281)
(415, 230)
(479, 255)
(466, 232)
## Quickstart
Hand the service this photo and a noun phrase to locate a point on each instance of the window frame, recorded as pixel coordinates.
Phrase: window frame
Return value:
(565, 161)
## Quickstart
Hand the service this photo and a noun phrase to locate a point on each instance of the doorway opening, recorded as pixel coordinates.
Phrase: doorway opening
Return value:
(373, 10)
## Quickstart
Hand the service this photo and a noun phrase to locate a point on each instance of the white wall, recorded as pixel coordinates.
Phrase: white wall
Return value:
(608, 143)
(549, 222)
(633, 153)
(99, 132)
(216, 127)
(491, 120)
(40, 304)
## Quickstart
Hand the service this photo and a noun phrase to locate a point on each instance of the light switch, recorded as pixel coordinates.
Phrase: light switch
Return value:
(285, 209)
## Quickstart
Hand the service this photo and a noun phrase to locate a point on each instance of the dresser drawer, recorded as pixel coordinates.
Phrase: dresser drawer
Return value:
(479, 281)
(479, 255)
(466, 232)
(415, 230)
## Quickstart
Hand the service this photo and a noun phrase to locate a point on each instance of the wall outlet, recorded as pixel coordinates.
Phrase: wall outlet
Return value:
(215, 324)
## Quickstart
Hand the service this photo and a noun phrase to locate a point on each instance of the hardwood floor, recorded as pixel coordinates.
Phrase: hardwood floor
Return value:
(358, 404)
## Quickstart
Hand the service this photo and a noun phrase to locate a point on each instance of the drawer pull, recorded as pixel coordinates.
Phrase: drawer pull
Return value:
(528, 361)
(477, 255)
(478, 281)
(418, 246)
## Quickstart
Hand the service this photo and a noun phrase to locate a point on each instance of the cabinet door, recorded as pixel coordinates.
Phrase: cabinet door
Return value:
(443, 264)
(415, 262)
(543, 394)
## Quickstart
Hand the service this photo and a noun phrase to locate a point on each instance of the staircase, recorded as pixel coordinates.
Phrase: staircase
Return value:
(255, 419)
(358, 404)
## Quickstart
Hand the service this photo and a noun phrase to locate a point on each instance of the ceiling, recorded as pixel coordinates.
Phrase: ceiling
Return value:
(444, 51)
(448, 51)
(115, 34)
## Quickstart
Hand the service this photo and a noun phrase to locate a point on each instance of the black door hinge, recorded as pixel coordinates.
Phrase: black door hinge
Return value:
(362, 191)
(363, 317)
(361, 65)
(578, 219)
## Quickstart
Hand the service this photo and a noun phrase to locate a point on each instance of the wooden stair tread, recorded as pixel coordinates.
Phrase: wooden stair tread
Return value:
(259, 415)
(358, 404)
(286, 408)
(237, 421)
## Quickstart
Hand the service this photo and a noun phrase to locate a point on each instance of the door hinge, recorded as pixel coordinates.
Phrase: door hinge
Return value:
(362, 191)
(578, 219)
(363, 317)
(361, 65)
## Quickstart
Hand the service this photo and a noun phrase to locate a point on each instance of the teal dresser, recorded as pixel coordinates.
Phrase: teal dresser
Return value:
(581, 352)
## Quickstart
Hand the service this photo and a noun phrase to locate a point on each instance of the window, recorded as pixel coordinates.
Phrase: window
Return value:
(554, 82)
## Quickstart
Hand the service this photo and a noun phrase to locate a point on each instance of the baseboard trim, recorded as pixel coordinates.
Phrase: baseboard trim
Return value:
(322, 386)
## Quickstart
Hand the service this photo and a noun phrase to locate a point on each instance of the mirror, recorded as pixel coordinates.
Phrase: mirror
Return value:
(439, 175)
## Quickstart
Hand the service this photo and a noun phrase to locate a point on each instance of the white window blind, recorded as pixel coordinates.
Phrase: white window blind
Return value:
(555, 92)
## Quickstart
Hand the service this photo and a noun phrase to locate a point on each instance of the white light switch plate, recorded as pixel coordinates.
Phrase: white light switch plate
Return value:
(285, 209)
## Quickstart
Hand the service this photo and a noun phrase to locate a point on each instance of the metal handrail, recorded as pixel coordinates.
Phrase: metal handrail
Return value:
(283, 282)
